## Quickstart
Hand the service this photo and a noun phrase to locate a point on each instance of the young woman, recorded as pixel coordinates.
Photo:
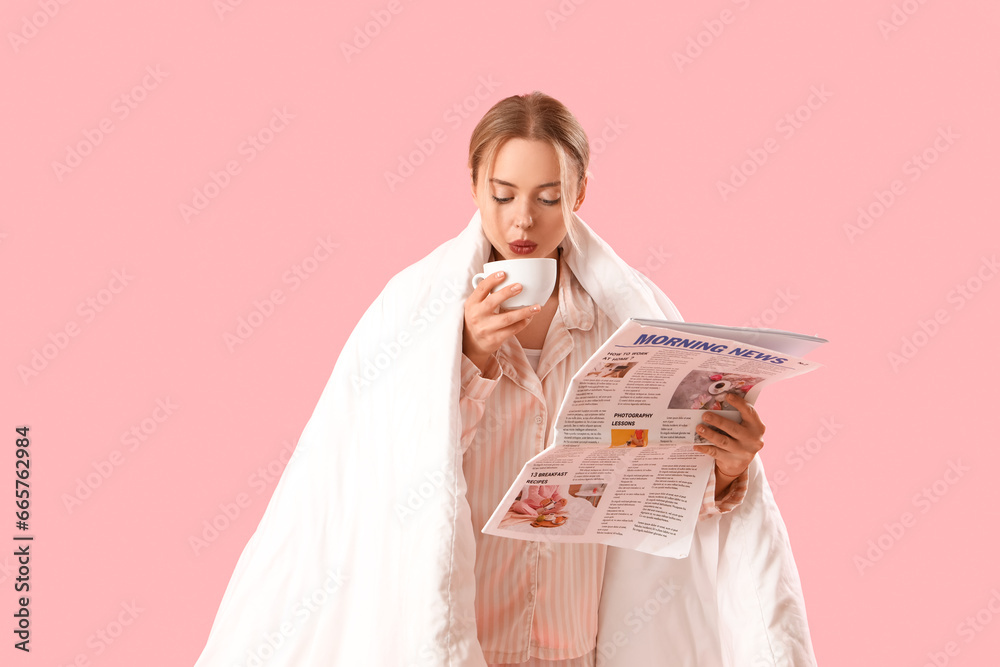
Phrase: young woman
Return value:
(537, 603)
(454, 394)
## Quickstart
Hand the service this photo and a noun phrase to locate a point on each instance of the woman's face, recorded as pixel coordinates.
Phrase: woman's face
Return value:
(520, 209)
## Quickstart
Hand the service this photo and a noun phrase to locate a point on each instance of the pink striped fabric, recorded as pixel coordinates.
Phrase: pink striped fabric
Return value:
(536, 601)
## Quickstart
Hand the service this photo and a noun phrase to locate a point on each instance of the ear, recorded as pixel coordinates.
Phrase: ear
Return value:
(474, 197)
(583, 193)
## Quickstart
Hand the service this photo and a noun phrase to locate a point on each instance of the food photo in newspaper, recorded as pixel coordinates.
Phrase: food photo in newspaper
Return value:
(621, 470)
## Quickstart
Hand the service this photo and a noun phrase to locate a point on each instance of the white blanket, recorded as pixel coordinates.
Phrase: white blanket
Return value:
(365, 553)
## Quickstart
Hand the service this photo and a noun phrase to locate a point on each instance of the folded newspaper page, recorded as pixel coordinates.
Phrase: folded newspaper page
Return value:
(621, 470)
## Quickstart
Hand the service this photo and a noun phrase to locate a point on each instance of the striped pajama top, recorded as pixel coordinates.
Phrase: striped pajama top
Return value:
(535, 600)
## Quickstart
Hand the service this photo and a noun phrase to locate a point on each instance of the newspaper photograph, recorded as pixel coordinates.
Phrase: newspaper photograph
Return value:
(621, 470)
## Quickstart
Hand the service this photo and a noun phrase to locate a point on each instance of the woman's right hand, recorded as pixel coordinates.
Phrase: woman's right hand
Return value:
(485, 329)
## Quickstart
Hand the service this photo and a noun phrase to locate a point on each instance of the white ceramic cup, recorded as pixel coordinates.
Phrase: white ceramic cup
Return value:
(537, 278)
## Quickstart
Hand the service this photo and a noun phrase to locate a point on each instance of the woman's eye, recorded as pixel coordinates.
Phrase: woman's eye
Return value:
(547, 202)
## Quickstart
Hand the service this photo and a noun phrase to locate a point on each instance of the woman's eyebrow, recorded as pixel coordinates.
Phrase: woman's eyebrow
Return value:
(537, 187)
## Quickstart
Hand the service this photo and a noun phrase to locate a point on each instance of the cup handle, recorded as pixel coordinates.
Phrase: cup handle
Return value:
(478, 278)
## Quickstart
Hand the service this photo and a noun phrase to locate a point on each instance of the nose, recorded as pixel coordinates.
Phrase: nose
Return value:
(524, 211)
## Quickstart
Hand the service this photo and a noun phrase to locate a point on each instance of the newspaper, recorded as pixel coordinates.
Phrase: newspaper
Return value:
(622, 470)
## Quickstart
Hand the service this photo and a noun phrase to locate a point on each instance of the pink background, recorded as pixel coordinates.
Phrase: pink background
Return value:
(783, 248)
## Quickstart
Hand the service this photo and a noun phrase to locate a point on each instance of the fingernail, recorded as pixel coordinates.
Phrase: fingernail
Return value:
(499, 274)
(535, 309)
(701, 429)
(516, 288)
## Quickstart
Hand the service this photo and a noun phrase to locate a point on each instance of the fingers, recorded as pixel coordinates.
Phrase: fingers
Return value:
(731, 428)
(734, 449)
(514, 327)
(711, 450)
(496, 300)
(490, 324)
(720, 441)
(519, 317)
(723, 462)
(487, 284)
(484, 290)
(736, 437)
(481, 310)
(485, 329)
(746, 410)
(493, 300)
(727, 457)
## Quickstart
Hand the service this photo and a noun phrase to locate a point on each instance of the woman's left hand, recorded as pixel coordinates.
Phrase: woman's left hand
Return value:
(733, 452)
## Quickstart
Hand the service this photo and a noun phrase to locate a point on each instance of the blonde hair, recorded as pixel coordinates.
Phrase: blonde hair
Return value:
(540, 117)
